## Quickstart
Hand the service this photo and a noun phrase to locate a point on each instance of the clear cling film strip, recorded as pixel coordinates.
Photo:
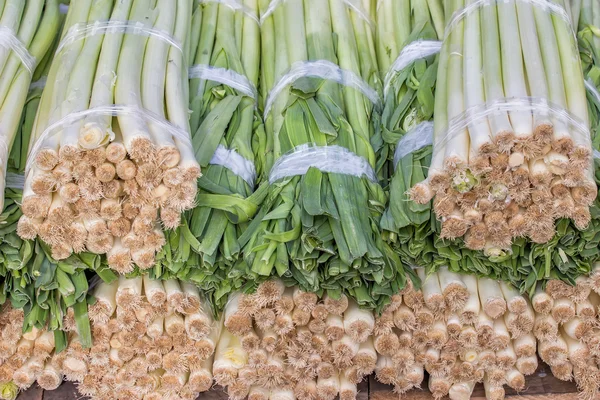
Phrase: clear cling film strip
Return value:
(534, 105)
(414, 51)
(39, 84)
(354, 5)
(81, 31)
(110, 110)
(236, 163)
(546, 5)
(330, 159)
(235, 5)
(15, 181)
(225, 76)
(10, 41)
(320, 69)
(415, 139)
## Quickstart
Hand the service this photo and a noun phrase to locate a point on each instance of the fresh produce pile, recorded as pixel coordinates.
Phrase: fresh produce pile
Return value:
(285, 196)
(153, 339)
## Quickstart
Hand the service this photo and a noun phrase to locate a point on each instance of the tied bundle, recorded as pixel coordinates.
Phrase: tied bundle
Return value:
(319, 221)
(511, 150)
(409, 66)
(226, 126)
(408, 34)
(111, 163)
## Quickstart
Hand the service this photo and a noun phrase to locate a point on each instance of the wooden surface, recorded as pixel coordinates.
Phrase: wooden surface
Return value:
(540, 386)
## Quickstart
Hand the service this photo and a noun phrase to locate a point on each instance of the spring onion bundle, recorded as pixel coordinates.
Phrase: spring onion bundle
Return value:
(409, 66)
(407, 35)
(111, 150)
(511, 146)
(225, 127)
(319, 222)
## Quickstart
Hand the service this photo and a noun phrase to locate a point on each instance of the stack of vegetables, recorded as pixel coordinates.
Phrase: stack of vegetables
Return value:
(151, 338)
(318, 225)
(157, 338)
(226, 126)
(293, 344)
(509, 158)
(111, 161)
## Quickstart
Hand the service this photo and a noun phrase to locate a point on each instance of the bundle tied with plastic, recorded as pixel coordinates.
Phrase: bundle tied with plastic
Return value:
(111, 161)
(408, 34)
(409, 67)
(227, 131)
(512, 151)
(319, 223)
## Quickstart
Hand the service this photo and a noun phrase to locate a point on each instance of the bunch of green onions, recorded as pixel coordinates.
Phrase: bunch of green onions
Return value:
(409, 100)
(320, 228)
(225, 120)
(111, 163)
(501, 172)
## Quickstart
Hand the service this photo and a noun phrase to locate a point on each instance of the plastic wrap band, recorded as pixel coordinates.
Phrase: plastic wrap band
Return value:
(331, 159)
(235, 5)
(81, 31)
(226, 77)
(15, 181)
(320, 69)
(236, 163)
(112, 110)
(39, 84)
(418, 137)
(546, 5)
(10, 41)
(63, 8)
(414, 51)
(352, 4)
(535, 105)
(592, 89)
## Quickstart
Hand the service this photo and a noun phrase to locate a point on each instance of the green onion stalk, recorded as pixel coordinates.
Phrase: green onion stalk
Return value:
(321, 229)
(226, 120)
(409, 101)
